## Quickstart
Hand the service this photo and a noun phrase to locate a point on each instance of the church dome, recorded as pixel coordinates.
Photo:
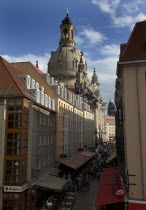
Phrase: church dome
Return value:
(63, 64)
(64, 61)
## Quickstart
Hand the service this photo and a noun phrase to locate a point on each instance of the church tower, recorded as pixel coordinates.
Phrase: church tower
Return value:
(67, 32)
(81, 78)
(63, 64)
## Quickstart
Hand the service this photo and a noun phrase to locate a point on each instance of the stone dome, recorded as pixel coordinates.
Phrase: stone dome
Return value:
(63, 64)
(64, 61)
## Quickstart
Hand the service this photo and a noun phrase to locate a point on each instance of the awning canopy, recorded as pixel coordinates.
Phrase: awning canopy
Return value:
(111, 157)
(88, 153)
(51, 182)
(75, 161)
(137, 206)
(109, 180)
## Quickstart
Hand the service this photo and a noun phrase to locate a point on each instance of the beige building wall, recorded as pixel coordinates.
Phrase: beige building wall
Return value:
(89, 129)
(62, 127)
(2, 140)
(41, 140)
(133, 83)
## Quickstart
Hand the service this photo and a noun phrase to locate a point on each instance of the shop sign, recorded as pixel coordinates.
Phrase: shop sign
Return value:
(15, 188)
(119, 192)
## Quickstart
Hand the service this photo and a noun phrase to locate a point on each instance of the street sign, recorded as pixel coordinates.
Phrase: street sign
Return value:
(119, 192)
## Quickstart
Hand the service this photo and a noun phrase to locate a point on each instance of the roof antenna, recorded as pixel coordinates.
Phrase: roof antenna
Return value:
(67, 12)
(37, 64)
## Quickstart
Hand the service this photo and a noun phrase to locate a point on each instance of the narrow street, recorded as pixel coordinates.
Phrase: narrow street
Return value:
(85, 199)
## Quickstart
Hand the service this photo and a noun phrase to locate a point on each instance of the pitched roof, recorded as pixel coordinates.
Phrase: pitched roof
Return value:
(136, 46)
(11, 84)
(27, 68)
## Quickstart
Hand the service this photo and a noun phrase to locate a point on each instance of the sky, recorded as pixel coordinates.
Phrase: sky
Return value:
(30, 30)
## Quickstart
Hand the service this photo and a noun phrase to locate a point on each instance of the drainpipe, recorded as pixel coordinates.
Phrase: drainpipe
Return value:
(139, 129)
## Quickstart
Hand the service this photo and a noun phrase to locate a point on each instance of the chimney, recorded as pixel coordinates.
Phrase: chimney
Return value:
(37, 64)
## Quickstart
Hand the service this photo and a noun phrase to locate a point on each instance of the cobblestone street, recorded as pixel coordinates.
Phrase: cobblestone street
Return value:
(85, 199)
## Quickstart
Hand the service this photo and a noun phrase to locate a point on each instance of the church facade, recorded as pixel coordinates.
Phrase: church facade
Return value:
(68, 66)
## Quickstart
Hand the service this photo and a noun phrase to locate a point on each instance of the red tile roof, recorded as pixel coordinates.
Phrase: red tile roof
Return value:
(76, 161)
(37, 69)
(136, 46)
(11, 85)
(36, 74)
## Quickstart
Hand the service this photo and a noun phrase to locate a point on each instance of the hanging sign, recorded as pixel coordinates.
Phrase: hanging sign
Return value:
(119, 192)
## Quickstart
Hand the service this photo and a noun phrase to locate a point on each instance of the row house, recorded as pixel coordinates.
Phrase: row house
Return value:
(70, 117)
(27, 129)
(130, 98)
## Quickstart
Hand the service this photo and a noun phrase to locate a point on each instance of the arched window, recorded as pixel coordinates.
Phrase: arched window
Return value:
(72, 34)
(65, 32)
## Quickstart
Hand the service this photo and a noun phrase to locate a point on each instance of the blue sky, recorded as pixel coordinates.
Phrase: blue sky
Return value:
(30, 30)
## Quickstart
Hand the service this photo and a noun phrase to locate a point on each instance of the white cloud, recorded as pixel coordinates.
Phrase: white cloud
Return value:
(78, 40)
(110, 50)
(90, 36)
(122, 13)
(42, 60)
(106, 72)
(107, 6)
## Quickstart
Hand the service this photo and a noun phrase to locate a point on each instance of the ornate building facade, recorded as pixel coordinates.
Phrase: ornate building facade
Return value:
(67, 64)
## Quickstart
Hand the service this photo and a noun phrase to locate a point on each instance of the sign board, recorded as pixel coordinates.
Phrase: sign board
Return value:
(15, 188)
(119, 192)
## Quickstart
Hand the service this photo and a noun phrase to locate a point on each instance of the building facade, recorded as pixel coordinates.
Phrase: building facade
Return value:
(130, 101)
(24, 109)
(110, 127)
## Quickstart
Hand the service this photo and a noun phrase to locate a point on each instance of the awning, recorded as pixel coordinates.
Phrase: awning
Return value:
(137, 206)
(88, 153)
(51, 182)
(54, 172)
(75, 161)
(109, 180)
(111, 157)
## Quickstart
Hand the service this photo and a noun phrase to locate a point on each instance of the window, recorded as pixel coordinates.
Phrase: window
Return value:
(44, 161)
(48, 121)
(39, 166)
(44, 140)
(40, 118)
(18, 102)
(44, 120)
(11, 102)
(51, 158)
(48, 140)
(40, 140)
(51, 123)
(51, 139)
